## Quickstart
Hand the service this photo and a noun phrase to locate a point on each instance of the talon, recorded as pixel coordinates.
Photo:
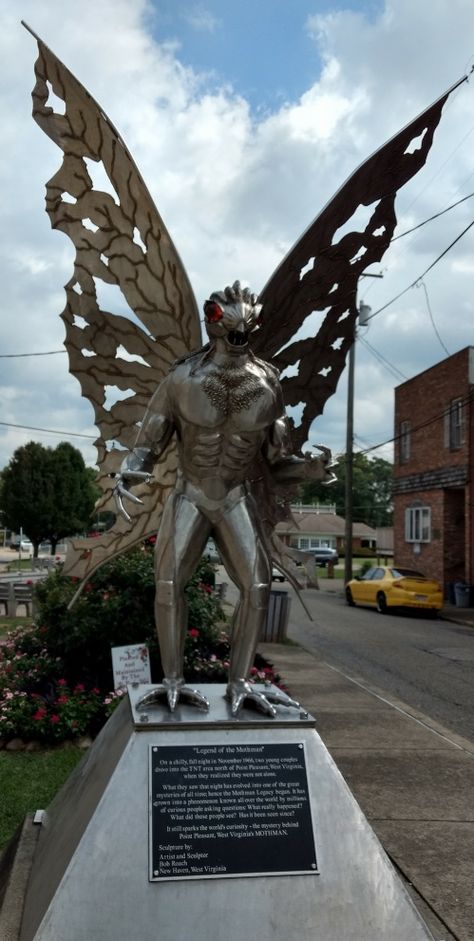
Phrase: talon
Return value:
(172, 695)
(240, 690)
(121, 508)
(282, 699)
(326, 452)
(130, 496)
(173, 691)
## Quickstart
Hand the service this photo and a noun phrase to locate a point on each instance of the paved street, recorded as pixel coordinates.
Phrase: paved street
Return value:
(425, 663)
(391, 699)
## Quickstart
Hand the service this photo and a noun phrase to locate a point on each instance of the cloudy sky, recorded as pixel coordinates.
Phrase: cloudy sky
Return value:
(244, 118)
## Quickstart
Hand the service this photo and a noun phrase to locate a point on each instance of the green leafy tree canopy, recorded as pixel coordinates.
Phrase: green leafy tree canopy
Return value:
(47, 492)
(372, 480)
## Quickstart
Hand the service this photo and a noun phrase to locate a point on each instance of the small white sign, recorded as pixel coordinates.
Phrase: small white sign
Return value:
(131, 664)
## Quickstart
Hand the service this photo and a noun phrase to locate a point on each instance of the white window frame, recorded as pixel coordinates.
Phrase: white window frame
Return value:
(455, 424)
(405, 441)
(418, 524)
(309, 543)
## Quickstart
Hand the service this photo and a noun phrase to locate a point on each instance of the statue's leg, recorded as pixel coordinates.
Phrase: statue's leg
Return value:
(245, 558)
(247, 562)
(180, 541)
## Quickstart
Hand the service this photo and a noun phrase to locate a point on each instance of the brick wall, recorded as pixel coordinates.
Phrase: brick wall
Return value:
(421, 401)
(429, 559)
(434, 474)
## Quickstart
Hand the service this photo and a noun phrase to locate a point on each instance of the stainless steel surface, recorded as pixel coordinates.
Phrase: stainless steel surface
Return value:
(225, 409)
(219, 715)
(90, 874)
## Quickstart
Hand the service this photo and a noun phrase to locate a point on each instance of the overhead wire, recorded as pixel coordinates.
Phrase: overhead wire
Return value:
(396, 372)
(421, 284)
(421, 276)
(431, 218)
(49, 431)
(430, 421)
(21, 355)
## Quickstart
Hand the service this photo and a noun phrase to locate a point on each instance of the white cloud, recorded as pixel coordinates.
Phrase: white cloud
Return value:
(201, 19)
(236, 189)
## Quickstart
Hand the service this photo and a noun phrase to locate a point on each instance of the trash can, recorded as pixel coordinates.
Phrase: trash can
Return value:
(462, 594)
(276, 623)
(451, 596)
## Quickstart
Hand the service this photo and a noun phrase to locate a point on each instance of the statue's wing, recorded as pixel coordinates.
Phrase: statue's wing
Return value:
(121, 241)
(318, 278)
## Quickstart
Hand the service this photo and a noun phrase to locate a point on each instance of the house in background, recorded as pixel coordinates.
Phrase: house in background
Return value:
(434, 455)
(316, 525)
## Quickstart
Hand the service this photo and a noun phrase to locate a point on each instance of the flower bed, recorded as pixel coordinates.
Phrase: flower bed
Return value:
(56, 680)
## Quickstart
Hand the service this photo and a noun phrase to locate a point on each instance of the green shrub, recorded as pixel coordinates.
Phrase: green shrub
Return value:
(116, 607)
(56, 676)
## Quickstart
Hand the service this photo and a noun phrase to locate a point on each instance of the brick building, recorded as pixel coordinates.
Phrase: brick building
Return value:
(434, 454)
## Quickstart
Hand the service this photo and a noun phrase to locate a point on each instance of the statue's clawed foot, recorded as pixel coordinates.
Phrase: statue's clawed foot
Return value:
(173, 690)
(238, 691)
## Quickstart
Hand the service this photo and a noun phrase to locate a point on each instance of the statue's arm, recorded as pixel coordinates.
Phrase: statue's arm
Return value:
(287, 468)
(155, 433)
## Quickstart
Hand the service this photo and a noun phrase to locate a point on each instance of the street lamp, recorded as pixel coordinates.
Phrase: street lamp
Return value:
(364, 313)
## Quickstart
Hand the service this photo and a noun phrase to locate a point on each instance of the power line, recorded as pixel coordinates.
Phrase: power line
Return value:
(49, 431)
(394, 239)
(436, 216)
(385, 362)
(430, 421)
(422, 284)
(20, 355)
(421, 276)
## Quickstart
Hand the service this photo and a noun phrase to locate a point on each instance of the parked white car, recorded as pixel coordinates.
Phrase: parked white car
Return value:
(24, 544)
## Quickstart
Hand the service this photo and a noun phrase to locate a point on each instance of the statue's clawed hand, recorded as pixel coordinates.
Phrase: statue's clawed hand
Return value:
(121, 490)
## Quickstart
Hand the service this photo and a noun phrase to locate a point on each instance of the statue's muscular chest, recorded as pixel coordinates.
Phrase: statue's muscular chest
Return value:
(240, 399)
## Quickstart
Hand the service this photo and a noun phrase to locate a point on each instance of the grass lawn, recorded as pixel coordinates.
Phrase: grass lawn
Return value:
(29, 781)
(9, 624)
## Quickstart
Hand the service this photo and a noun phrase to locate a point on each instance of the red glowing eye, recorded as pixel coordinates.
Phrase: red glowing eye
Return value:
(213, 312)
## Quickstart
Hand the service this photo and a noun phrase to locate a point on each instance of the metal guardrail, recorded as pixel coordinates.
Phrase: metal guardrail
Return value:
(14, 595)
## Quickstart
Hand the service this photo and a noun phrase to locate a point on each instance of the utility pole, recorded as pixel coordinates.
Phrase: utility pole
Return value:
(364, 312)
(349, 467)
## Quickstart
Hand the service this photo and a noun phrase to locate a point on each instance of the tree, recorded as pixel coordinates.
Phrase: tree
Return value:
(372, 490)
(49, 493)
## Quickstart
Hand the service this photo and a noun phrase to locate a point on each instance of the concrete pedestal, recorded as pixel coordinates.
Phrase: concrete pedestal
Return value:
(90, 875)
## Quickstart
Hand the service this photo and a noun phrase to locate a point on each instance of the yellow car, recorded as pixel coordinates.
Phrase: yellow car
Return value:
(385, 587)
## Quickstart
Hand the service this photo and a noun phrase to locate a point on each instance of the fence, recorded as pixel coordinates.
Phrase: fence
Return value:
(14, 595)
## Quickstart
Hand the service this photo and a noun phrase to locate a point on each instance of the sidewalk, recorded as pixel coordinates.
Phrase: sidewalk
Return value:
(413, 780)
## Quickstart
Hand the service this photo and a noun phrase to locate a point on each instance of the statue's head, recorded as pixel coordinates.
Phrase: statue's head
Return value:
(231, 315)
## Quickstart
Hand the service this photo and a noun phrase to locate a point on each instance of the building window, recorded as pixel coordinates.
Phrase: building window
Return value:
(312, 542)
(418, 524)
(454, 423)
(405, 441)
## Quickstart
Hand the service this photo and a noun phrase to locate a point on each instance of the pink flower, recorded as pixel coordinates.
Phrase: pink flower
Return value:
(29, 582)
(55, 719)
(95, 690)
(62, 682)
(79, 688)
(62, 699)
(39, 714)
(193, 632)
